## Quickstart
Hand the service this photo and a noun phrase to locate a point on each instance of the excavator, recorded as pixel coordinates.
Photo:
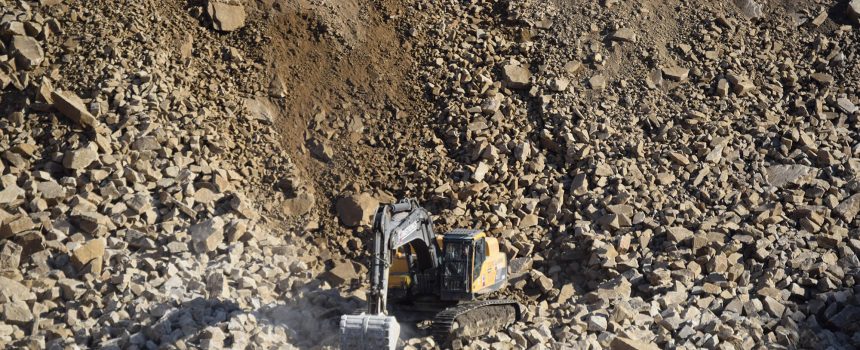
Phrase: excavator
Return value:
(448, 275)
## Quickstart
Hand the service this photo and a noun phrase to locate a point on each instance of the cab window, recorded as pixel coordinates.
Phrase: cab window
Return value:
(480, 255)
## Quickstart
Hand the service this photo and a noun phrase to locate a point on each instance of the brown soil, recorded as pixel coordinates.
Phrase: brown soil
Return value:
(339, 61)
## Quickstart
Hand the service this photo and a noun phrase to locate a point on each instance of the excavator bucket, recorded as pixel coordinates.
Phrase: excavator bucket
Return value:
(368, 332)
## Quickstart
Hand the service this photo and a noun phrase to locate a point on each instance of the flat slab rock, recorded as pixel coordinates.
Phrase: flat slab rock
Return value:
(783, 175)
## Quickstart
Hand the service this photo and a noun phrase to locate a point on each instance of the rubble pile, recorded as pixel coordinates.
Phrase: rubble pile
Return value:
(661, 174)
(128, 211)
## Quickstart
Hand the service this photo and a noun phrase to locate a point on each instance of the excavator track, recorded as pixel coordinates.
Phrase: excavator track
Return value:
(474, 318)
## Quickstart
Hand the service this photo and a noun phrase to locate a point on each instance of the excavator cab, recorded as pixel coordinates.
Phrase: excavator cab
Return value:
(472, 265)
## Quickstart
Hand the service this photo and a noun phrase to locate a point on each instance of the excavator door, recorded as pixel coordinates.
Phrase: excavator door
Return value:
(457, 269)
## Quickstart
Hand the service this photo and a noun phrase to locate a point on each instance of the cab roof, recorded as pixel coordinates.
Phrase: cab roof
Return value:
(464, 234)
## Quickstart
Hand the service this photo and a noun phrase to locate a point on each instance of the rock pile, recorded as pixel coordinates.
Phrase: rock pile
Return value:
(125, 218)
(695, 192)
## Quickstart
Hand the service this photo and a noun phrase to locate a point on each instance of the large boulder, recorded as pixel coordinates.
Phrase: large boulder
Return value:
(226, 17)
(28, 52)
(356, 210)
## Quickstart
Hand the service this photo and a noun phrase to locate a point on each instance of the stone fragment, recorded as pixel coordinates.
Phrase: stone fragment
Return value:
(226, 17)
(623, 343)
(678, 234)
(17, 312)
(342, 272)
(853, 9)
(14, 290)
(480, 171)
(572, 67)
(848, 208)
(597, 323)
(597, 82)
(782, 175)
(624, 34)
(356, 210)
(71, 106)
(28, 52)
(79, 159)
(90, 256)
(10, 255)
(299, 205)
(516, 77)
(207, 235)
(559, 84)
(320, 150)
(676, 73)
(19, 224)
(10, 194)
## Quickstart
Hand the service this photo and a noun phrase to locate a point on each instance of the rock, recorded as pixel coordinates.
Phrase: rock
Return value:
(13, 290)
(543, 282)
(559, 84)
(853, 9)
(17, 312)
(529, 220)
(207, 235)
(79, 159)
(573, 67)
(782, 175)
(846, 105)
(226, 17)
(848, 319)
(849, 208)
(516, 77)
(71, 106)
(90, 221)
(615, 288)
(10, 255)
(622, 343)
(480, 172)
(342, 272)
(678, 234)
(298, 205)
(90, 256)
(565, 293)
(28, 52)
(597, 82)
(10, 194)
(624, 34)
(321, 150)
(597, 323)
(356, 210)
(19, 224)
(676, 73)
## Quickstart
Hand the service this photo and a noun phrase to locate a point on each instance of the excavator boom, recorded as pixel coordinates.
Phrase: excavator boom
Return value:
(394, 226)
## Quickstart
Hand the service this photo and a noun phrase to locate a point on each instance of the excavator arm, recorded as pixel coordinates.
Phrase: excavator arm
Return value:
(394, 226)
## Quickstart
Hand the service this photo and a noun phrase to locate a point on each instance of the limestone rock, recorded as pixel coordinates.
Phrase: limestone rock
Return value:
(516, 77)
(622, 343)
(28, 51)
(782, 175)
(90, 255)
(356, 210)
(342, 272)
(849, 208)
(298, 205)
(10, 255)
(71, 106)
(207, 235)
(226, 17)
(79, 159)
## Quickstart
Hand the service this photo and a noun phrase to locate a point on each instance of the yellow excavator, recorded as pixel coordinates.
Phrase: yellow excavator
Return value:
(449, 275)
